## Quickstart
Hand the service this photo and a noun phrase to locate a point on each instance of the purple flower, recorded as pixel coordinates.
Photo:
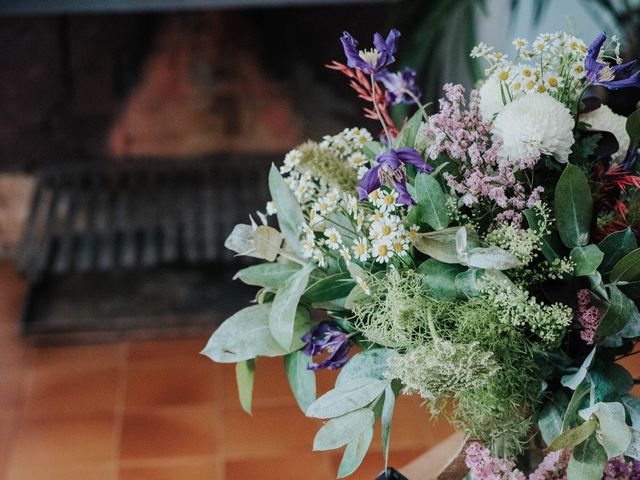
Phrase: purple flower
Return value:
(374, 60)
(401, 86)
(611, 77)
(390, 169)
(326, 337)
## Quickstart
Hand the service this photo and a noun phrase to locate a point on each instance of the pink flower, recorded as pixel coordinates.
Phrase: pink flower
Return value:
(484, 466)
(588, 316)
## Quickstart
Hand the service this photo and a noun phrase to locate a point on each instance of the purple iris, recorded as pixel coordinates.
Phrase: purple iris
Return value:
(326, 337)
(611, 77)
(390, 169)
(401, 86)
(374, 60)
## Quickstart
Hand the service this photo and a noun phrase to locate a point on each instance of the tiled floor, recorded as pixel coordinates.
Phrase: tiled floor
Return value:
(158, 410)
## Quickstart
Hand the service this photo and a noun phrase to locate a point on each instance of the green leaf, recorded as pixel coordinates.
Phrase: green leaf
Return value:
(346, 398)
(628, 268)
(267, 241)
(634, 449)
(245, 335)
(331, 287)
(408, 133)
(633, 128)
(551, 246)
(573, 207)
(492, 258)
(615, 246)
(442, 244)
(550, 420)
(613, 432)
(620, 310)
(468, 282)
(439, 278)
(387, 416)
(574, 436)
(610, 381)
(573, 380)
(432, 201)
(245, 372)
(372, 149)
(574, 404)
(301, 380)
(283, 316)
(268, 275)
(587, 461)
(371, 364)
(587, 259)
(288, 210)
(632, 405)
(341, 430)
(355, 452)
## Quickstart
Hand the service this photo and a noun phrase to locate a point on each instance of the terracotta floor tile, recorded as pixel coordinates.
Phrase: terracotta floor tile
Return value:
(269, 432)
(11, 388)
(191, 469)
(98, 471)
(373, 463)
(173, 383)
(64, 441)
(73, 391)
(169, 432)
(160, 351)
(81, 356)
(293, 467)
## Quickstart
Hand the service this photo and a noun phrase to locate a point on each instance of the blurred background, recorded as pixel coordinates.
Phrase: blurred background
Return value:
(133, 136)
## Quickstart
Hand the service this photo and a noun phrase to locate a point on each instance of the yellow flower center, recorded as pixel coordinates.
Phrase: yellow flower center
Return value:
(504, 75)
(527, 73)
(383, 250)
(386, 230)
(553, 82)
(530, 84)
(541, 89)
(517, 86)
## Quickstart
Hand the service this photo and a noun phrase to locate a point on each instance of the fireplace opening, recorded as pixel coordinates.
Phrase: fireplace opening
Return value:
(133, 142)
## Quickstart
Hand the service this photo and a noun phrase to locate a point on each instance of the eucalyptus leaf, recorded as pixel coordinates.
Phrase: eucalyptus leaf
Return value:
(245, 372)
(587, 461)
(574, 436)
(267, 241)
(243, 336)
(301, 380)
(586, 259)
(633, 128)
(240, 240)
(387, 416)
(576, 401)
(283, 315)
(627, 268)
(372, 149)
(550, 421)
(613, 432)
(355, 452)
(288, 211)
(441, 244)
(439, 278)
(634, 448)
(407, 135)
(331, 287)
(467, 283)
(610, 381)
(370, 364)
(432, 201)
(619, 311)
(615, 246)
(573, 380)
(346, 398)
(342, 430)
(632, 406)
(573, 207)
(493, 258)
(268, 275)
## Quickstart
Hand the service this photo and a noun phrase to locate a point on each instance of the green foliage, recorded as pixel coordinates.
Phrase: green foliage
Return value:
(284, 310)
(619, 311)
(289, 213)
(431, 201)
(586, 259)
(550, 418)
(347, 397)
(440, 278)
(301, 380)
(633, 127)
(253, 241)
(587, 461)
(573, 207)
(326, 165)
(613, 432)
(368, 364)
(330, 287)
(615, 246)
(245, 372)
(268, 275)
(339, 431)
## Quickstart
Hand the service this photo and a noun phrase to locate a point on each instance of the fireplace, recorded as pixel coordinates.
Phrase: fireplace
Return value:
(135, 138)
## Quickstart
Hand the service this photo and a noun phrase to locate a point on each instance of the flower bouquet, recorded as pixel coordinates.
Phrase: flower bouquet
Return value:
(483, 256)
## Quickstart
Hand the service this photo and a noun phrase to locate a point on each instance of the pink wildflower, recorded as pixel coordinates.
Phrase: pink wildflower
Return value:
(484, 174)
(588, 316)
(484, 466)
(553, 466)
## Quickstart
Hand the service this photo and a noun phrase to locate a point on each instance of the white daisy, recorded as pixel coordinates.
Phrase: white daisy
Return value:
(333, 238)
(361, 249)
(382, 251)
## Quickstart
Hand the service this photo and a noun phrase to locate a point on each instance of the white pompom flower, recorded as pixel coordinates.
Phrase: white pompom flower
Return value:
(491, 101)
(535, 124)
(605, 119)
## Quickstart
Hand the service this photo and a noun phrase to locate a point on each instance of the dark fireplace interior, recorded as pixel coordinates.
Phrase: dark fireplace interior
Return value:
(132, 142)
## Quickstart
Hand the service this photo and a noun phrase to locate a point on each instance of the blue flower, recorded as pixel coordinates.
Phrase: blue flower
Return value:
(326, 337)
(374, 60)
(390, 169)
(401, 86)
(611, 77)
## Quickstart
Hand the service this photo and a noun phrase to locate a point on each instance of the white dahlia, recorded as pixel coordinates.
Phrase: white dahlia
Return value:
(604, 119)
(490, 98)
(535, 124)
